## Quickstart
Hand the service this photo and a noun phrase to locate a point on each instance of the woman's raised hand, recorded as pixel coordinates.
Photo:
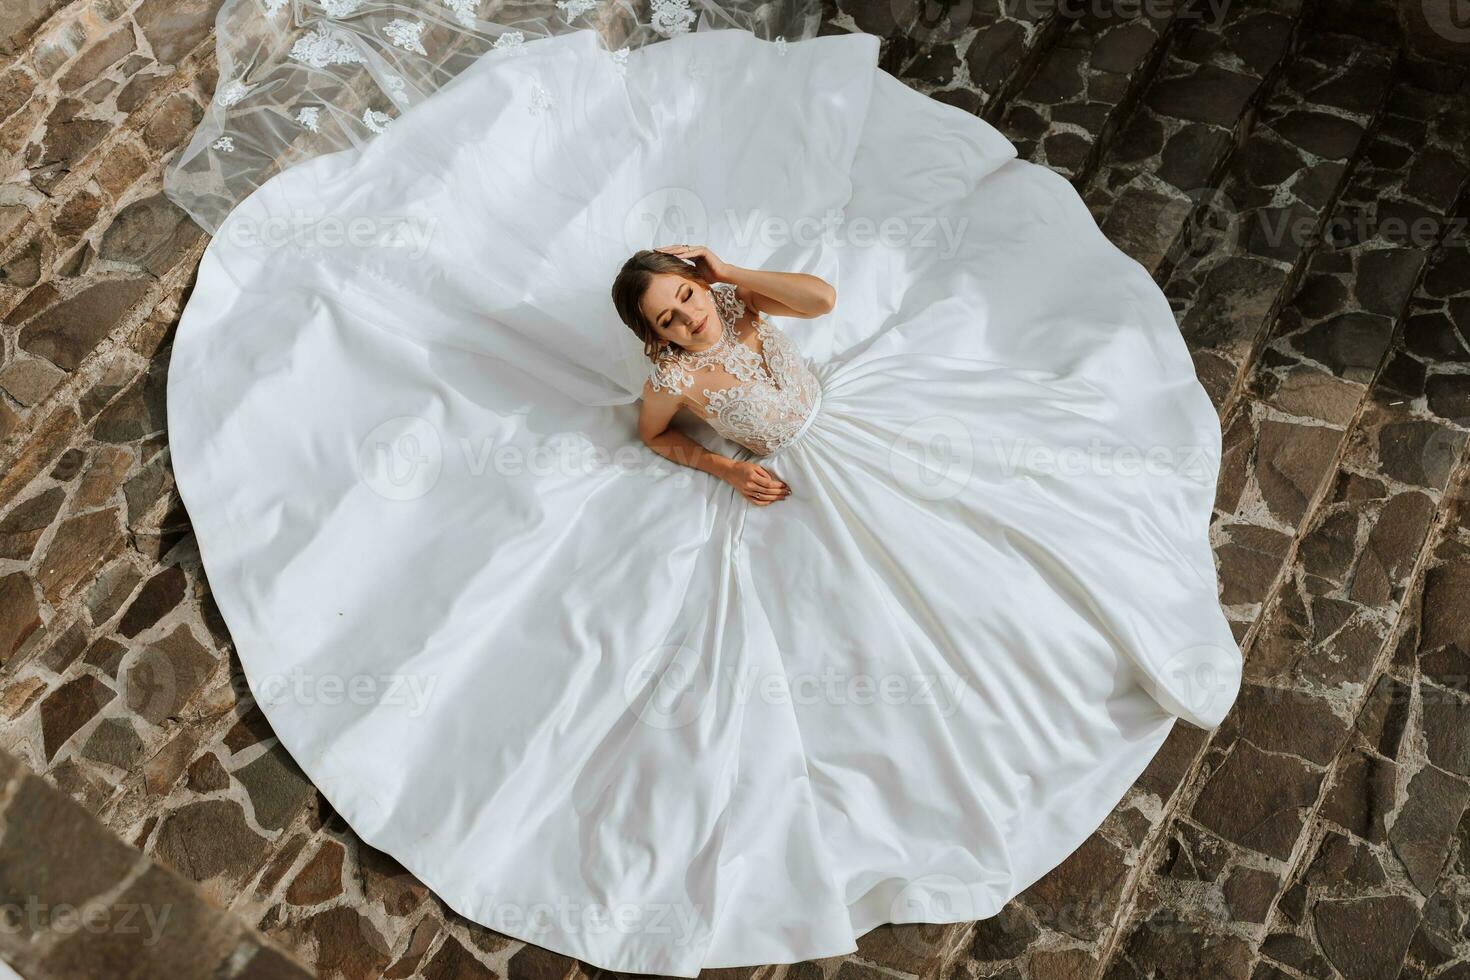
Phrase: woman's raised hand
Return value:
(706, 263)
(757, 484)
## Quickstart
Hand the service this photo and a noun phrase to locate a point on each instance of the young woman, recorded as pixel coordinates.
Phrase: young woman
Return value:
(716, 353)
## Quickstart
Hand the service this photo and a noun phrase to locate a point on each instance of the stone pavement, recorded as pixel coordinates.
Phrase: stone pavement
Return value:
(1297, 178)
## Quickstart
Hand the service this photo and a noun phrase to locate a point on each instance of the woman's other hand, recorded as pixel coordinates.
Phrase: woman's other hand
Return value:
(757, 484)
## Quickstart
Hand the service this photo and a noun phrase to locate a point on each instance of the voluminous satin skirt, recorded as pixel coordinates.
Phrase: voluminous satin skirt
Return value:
(597, 701)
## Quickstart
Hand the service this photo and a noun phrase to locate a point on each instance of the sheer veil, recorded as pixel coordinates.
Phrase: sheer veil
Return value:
(301, 78)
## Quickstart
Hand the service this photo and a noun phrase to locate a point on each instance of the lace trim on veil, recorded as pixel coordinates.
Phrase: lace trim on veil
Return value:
(302, 78)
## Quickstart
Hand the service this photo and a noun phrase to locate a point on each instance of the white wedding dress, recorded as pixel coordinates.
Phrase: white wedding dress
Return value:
(597, 701)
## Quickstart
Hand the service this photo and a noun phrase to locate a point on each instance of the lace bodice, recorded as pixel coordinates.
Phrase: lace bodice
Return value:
(760, 399)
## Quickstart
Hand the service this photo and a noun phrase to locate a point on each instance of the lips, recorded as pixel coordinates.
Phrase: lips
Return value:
(699, 328)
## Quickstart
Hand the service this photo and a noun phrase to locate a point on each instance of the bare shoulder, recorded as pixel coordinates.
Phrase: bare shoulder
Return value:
(657, 410)
(651, 392)
(658, 398)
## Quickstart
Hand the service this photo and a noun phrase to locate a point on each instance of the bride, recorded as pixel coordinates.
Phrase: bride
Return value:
(764, 396)
(613, 705)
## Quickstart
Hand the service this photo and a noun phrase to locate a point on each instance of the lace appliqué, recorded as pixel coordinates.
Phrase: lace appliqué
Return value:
(464, 11)
(407, 34)
(322, 48)
(231, 93)
(375, 120)
(771, 392)
(541, 99)
(671, 17)
(572, 9)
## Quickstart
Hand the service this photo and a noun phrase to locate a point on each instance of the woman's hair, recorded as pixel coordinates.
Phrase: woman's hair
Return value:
(632, 282)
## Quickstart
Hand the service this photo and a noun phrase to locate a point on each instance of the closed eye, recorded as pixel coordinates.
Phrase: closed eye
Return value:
(683, 297)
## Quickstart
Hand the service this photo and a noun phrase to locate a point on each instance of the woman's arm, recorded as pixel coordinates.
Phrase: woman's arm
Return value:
(654, 428)
(782, 293)
(795, 294)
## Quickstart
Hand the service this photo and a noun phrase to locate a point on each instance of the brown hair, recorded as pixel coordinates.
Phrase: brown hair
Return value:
(632, 282)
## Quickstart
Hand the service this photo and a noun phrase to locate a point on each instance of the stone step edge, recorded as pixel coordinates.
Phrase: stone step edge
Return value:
(1240, 134)
(1138, 83)
(1188, 788)
(1147, 851)
(61, 830)
(1234, 398)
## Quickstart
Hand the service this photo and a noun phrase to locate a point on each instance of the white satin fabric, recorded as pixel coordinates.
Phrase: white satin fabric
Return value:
(603, 704)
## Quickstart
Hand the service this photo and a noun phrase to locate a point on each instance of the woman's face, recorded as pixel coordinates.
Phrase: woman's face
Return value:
(681, 311)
